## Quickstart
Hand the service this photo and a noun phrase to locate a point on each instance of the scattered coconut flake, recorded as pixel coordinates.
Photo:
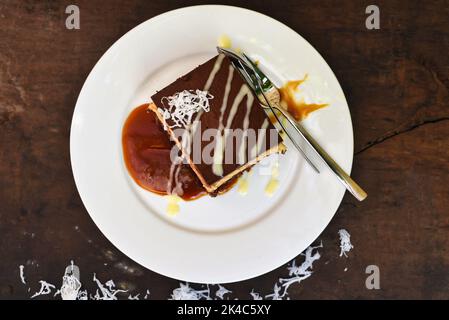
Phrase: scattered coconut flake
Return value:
(183, 105)
(345, 242)
(185, 292)
(44, 290)
(276, 293)
(221, 292)
(346, 269)
(255, 295)
(22, 276)
(70, 283)
(107, 291)
(82, 295)
(296, 273)
(136, 297)
(70, 288)
(110, 284)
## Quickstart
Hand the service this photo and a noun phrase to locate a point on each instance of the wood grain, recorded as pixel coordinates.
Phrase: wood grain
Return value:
(396, 82)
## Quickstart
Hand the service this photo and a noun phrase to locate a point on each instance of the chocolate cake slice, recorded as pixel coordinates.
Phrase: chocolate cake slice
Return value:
(215, 120)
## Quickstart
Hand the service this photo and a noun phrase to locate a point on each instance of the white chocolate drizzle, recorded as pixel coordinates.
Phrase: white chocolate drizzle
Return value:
(260, 139)
(214, 71)
(191, 130)
(186, 138)
(173, 205)
(175, 163)
(218, 137)
(273, 183)
(242, 149)
(217, 167)
(243, 185)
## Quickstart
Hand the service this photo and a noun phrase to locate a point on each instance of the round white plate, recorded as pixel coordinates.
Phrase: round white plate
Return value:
(212, 240)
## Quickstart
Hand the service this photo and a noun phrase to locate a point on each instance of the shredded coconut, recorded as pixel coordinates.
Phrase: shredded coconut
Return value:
(107, 291)
(185, 292)
(82, 295)
(345, 242)
(221, 292)
(276, 293)
(255, 295)
(70, 283)
(44, 290)
(136, 297)
(296, 273)
(22, 276)
(183, 105)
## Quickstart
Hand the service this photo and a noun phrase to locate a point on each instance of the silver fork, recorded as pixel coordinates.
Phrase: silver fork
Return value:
(269, 97)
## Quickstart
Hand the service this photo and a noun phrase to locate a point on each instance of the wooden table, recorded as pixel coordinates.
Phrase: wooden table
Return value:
(396, 82)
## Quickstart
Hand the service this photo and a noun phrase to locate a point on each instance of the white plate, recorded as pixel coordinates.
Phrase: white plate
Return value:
(228, 238)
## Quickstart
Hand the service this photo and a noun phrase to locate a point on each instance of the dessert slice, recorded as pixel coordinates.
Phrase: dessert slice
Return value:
(215, 120)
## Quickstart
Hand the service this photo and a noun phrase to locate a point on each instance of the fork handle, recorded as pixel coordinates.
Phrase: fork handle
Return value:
(344, 178)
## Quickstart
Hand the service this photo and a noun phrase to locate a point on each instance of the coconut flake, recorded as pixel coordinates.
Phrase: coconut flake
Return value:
(255, 295)
(70, 283)
(183, 105)
(82, 295)
(221, 292)
(107, 291)
(185, 292)
(44, 290)
(276, 293)
(345, 242)
(22, 276)
(296, 273)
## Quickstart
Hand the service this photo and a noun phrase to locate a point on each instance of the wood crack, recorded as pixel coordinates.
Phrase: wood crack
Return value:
(397, 132)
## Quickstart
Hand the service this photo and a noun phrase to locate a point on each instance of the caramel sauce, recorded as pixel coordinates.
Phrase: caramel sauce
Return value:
(146, 151)
(298, 109)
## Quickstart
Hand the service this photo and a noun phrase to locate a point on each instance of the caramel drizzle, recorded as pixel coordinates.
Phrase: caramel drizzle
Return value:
(298, 109)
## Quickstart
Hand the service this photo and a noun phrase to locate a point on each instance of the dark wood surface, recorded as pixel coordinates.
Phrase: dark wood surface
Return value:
(396, 82)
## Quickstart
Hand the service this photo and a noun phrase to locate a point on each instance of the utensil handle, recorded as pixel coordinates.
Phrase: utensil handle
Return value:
(344, 178)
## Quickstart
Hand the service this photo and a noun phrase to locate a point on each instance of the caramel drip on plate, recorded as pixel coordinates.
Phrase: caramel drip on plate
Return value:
(298, 109)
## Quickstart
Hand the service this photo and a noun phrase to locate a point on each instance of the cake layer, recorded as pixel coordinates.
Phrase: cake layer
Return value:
(227, 130)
